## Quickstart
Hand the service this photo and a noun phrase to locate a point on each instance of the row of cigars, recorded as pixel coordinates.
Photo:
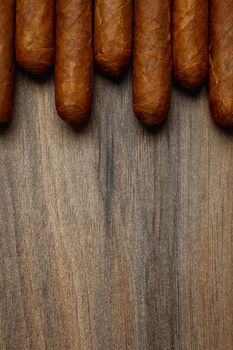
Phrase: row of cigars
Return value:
(194, 38)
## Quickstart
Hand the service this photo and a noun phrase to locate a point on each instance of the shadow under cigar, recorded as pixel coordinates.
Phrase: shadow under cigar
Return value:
(4, 127)
(40, 79)
(117, 79)
(81, 127)
(190, 92)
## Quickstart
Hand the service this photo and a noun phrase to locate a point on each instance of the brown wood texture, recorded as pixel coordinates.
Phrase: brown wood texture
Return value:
(115, 237)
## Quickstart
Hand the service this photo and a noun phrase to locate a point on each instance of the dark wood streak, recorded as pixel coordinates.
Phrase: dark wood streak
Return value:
(114, 236)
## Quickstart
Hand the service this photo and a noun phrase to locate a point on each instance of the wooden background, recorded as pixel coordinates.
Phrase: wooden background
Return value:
(114, 236)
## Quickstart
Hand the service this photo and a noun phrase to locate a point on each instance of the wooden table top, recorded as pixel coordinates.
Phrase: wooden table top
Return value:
(114, 236)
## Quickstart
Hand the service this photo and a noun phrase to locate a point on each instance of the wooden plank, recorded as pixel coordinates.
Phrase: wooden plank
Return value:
(113, 236)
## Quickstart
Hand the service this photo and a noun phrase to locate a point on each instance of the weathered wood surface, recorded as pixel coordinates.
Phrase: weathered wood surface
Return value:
(115, 237)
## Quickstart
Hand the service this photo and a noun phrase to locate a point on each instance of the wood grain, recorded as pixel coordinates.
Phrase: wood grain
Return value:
(115, 237)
